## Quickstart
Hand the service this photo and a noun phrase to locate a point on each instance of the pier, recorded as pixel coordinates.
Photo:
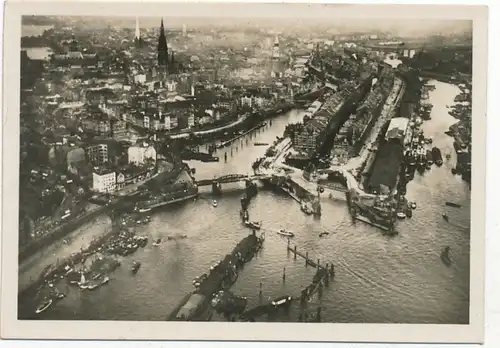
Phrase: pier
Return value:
(322, 277)
(196, 305)
(309, 261)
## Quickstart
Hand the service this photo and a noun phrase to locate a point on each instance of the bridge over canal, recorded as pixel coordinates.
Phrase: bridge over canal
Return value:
(231, 178)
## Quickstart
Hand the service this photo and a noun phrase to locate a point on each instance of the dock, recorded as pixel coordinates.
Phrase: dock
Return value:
(308, 260)
(194, 305)
(322, 277)
(369, 222)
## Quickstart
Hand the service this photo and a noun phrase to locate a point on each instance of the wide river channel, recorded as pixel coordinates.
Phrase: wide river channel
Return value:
(379, 279)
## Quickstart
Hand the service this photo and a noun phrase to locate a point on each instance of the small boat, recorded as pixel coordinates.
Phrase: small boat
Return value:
(401, 215)
(83, 282)
(214, 203)
(446, 217)
(210, 159)
(429, 159)
(323, 234)
(105, 280)
(289, 234)
(135, 267)
(281, 301)
(144, 210)
(260, 144)
(436, 155)
(93, 286)
(445, 256)
(43, 307)
(253, 224)
(454, 205)
(306, 208)
(61, 295)
(413, 205)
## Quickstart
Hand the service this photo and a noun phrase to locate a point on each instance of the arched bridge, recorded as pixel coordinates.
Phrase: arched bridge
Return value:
(230, 178)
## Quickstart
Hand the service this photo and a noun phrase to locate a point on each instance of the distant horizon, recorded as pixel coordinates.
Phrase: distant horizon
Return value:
(398, 27)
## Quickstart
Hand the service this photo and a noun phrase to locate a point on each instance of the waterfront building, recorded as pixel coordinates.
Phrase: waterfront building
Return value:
(306, 139)
(397, 129)
(129, 176)
(97, 154)
(139, 153)
(103, 180)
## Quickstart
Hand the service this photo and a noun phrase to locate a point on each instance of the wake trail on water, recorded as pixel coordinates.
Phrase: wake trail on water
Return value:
(386, 286)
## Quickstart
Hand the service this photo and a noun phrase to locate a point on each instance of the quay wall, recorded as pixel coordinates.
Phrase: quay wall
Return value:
(27, 290)
(29, 249)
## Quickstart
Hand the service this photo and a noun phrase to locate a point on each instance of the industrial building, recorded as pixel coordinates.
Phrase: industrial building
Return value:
(397, 129)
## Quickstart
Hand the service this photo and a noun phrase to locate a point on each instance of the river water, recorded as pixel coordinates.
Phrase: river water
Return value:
(379, 279)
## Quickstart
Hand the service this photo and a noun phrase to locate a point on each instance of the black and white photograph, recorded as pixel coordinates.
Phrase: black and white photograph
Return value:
(209, 167)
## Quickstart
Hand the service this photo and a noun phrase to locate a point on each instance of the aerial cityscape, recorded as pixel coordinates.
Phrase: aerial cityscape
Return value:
(177, 169)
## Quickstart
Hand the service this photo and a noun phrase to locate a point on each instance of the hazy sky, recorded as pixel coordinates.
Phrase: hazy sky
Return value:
(401, 20)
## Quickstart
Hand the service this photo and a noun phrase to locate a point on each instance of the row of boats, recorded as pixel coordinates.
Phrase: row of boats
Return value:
(83, 284)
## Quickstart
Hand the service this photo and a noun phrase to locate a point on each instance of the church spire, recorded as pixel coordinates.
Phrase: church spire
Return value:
(137, 39)
(137, 30)
(162, 47)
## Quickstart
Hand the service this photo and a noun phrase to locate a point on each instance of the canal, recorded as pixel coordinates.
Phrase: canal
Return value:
(379, 279)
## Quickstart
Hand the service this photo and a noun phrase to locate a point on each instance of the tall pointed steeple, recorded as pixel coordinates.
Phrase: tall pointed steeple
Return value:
(162, 47)
(137, 38)
(137, 30)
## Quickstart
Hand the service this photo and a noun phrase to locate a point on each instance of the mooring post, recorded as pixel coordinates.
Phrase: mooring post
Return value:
(295, 252)
(284, 271)
(260, 289)
(307, 257)
(317, 264)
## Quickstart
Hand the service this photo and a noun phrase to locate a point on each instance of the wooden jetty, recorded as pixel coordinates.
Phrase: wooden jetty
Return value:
(309, 261)
(322, 277)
